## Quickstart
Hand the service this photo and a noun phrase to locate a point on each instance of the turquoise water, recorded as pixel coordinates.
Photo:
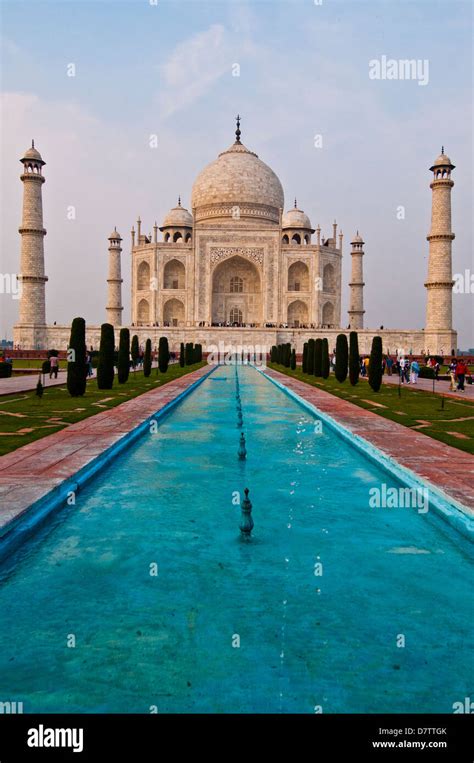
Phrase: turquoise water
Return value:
(171, 641)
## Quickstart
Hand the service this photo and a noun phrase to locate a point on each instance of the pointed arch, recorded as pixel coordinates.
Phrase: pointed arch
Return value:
(297, 313)
(329, 279)
(328, 314)
(143, 312)
(143, 276)
(174, 275)
(173, 312)
(298, 277)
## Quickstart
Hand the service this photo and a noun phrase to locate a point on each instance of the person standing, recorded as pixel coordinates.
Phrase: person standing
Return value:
(461, 371)
(414, 371)
(53, 367)
(389, 365)
(403, 363)
(452, 374)
(401, 369)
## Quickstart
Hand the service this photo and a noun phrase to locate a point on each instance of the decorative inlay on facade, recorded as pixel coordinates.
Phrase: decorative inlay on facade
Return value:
(221, 253)
(228, 210)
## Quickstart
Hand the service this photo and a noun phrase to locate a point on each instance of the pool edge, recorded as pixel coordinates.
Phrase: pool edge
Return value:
(448, 508)
(21, 527)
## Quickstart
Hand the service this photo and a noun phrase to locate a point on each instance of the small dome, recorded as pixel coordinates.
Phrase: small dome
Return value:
(178, 217)
(115, 236)
(443, 160)
(32, 154)
(296, 218)
(357, 239)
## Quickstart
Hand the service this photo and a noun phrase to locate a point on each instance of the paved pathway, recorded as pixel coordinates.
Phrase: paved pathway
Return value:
(29, 472)
(449, 469)
(441, 387)
(17, 384)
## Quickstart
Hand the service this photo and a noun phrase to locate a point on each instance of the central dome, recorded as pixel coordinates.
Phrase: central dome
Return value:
(237, 184)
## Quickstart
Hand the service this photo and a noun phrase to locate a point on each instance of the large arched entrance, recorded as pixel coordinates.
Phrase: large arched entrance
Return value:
(236, 293)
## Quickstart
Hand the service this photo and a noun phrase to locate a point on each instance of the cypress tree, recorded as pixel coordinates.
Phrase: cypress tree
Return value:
(105, 367)
(76, 367)
(310, 359)
(135, 350)
(181, 355)
(342, 358)
(318, 357)
(293, 360)
(163, 354)
(304, 364)
(354, 360)
(273, 354)
(375, 364)
(189, 354)
(123, 356)
(278, 354)
(197, 353)
(287, 355)
(325, 367)
(147, 358)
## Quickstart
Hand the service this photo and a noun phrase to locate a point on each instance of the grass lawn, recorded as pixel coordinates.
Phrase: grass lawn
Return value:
(24, 418)
(414, 409)
(33, 363)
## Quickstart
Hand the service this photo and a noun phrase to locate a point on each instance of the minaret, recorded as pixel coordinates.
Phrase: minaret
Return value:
(439, 283)
(114, 303)
(32, 278)
(356, 309)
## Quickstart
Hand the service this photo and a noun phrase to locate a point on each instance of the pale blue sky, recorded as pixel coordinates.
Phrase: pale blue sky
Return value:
(167, 69)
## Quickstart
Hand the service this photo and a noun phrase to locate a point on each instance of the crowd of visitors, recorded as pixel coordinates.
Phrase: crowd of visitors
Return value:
(409, 370)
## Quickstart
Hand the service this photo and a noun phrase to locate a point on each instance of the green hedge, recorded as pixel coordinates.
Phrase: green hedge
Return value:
(426, 372)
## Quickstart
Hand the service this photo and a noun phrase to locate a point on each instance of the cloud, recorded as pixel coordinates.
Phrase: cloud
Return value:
(194, 66)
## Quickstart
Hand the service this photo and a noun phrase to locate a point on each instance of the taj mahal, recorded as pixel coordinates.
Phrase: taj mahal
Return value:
(237, 268)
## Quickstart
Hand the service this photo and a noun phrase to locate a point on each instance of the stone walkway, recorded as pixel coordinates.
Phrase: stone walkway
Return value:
(441, 387)
(30, 472)
(16, 384)
(449, 469)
